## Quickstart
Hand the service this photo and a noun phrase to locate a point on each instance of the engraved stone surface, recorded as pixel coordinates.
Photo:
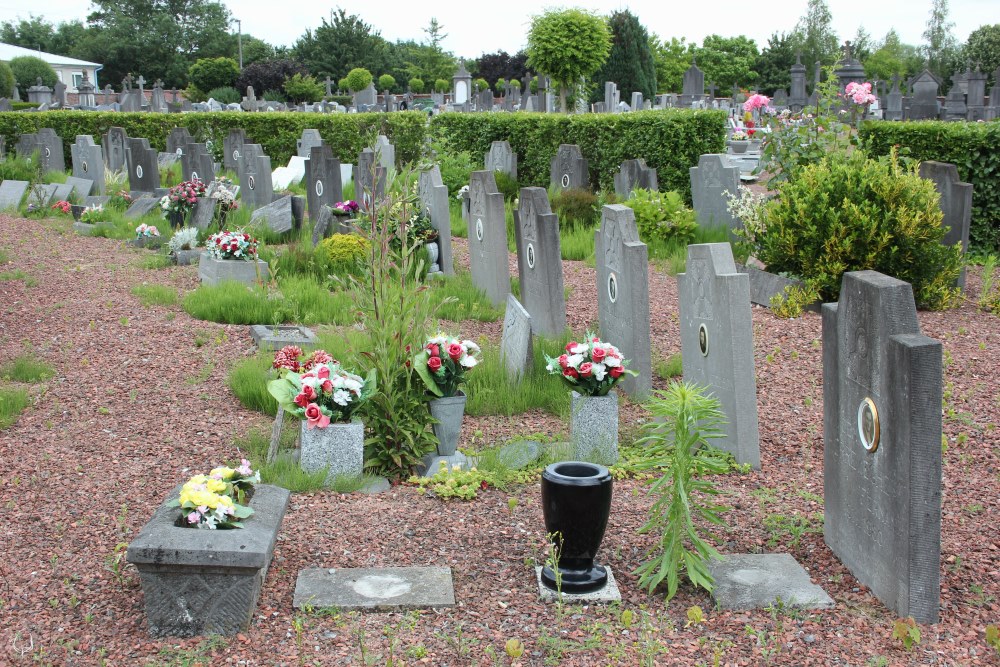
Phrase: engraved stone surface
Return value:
(757, 581)
(277, 215)
(375, 589)
(62, 192)
(203, 213)
(593, 427)
(434, 201)
(143, 167)
(717, 343)
(623, 294)
(310, 139)
(268, 337)
(256, 188)
(49, 146)
(568, 168)
(323, 185)
(369, 178)
(386, 152)
(501, 157)
(956, 204)
(883, 507)
(212, 271)
(88, 162)
(515, 340)
(539, 262)
(197, 162)
(142, 206)
(80, 187)
(115, 145)
(634, 175)
(177, 141)
(710, 180)
(232, 149)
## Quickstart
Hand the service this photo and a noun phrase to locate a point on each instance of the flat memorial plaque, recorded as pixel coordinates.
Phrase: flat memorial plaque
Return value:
(375, 589)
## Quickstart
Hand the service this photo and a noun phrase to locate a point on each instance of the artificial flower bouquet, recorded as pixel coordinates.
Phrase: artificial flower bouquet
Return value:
(349, 207)
(444, 362)
(182, 197)
(146, 231)
(224, 192)
(93, 214)
(320, 391)
(62, 207)
(185, 238)
(739, 135)
(590, 368)
(232, 245)
(215, 501)
(121, 200)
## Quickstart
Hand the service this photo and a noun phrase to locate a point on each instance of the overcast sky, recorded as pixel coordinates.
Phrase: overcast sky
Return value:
(484, 27)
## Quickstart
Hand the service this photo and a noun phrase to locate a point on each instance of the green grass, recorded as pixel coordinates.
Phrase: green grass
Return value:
(666, 369)
(18, 274)
(155, 295)
(12, 402)
(55, 176)
(300, 299)
(232, 303)
(157, 261)
(458, 226)
(172, 175)
(24, 368)
(576, 243)
(673, 254)
(471, 303)
(4, 257)
(248, 381)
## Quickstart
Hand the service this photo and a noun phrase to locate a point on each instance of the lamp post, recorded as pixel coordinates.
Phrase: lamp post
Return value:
(239, 40)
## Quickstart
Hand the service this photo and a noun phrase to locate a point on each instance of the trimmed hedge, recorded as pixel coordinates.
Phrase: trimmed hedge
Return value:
(671, 140)
(971, 147)
(276, 132)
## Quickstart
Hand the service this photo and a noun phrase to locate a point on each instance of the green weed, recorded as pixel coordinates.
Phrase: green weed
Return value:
(24, 368)
(158, 295)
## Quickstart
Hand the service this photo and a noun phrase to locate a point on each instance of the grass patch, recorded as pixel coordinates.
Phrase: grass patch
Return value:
(458, 226)
(4, 257)
(25, 368)
(18, 274)
(673, 254)
(155, 295)
(248, 381)
(471, 303)
(154, 262)
(672, 367)
(299, 299)
(576, 243)
(12, 402)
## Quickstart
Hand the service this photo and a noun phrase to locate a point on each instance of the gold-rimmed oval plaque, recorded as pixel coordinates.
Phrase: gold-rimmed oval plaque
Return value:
(868, 425)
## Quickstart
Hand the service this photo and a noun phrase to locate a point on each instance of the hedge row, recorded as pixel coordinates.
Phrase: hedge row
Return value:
(347, 134)
(670, 140)
(971, 147)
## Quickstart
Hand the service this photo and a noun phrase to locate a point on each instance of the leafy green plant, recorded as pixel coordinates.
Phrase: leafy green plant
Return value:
(662, 216)
(224, 95)
(575, 207)
(906, 631)
(794, 299)
(989, 292)
(683, 420)
(993, 638)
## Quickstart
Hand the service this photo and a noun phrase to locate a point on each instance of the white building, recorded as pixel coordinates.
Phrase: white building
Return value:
(69, 70)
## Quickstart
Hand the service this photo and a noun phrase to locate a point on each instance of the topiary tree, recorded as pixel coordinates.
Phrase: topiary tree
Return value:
(358, 79)
(386, 82)
(28, 69)
(482, 84)
(6, 80)
(342, 84)
(442, 85)
(568, 45)
(416, 85)
(630, 63)
(499, 85)
(303, 89)
(210, 73)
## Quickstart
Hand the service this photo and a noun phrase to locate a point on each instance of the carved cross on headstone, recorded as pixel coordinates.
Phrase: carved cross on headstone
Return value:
(711, 89)
(158, 84)
(141, 83)
(847, 51)
(798, 57)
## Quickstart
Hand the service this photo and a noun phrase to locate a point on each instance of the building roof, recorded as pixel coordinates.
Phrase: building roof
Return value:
(8, 51)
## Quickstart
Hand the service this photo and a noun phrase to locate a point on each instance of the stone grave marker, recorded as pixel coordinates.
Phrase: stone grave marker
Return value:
(115, 145)
(956, 204)
(305, 143)
(612, 96)
(322, 225)
(11, 194)
(323, 185)
(710, 180)
(515, 340)
(924, 103)
(636, 100)
(693, 86)
(623, 294)
(434, 200)
(143, 168)
(634, 175)
(197, 162)
(386, 152)
(88, 161)
(96, 200)
(369, 178)
(203, 213)
(569, 169)
(375, 589)
(41, 194)
(81, 187)
(539, 262)
(882, 385)
(255, 176)
(232, 148)
(50, 146)
(178, 138)
(501, 157)
(488, 237)
(759, 581)
(141, 207)
(62, 192)
(277, 215)
(283, 177)
(717, 343)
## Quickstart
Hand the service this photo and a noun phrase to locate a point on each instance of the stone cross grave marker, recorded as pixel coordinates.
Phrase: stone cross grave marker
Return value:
(882, 443)
(501, 157)
(623, 294)
(956, 204)
(369, 179)
(488, 237)
(143, 168)
(717, 342)
(539, 262)
(693, 87)
(710, 180)
(197, 162)
(515, 340)
(309, 138)
(924, 103)
(49, 146)
(88, 161)
(323, 186)
(634, 175)
(434, 201)
(232, 148)
(569, 169)
(115, 144)
(177, 140)
(255, 176)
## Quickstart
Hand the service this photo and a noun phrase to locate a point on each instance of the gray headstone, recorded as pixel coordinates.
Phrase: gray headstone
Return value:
(307, 141)
(88, 161)
(568, 169)
(203, 213)
(434, 200)
(488, 237)
(502, 157)
(693, 89)
(956, 204)
(623, 294)
(11, 194)
(634, 175)
(710, 180)
(277, 215)
(924, 103)
(386, 152)
(322, 225)
(178, 138)
(143, 168)
(62, 192)
(233, 148)
(375, 589)
(515, 340)
(115, 145)
(142, 206)
(894, 101)
(758, 581)
(636, 100)
(49, 147)
(369, 178)
(81, 187)
(197, 163)
(539, 262)
(717, 343)
(882, 443)
(96, 200)
(256, 189)
(323, 186)
(41, 194)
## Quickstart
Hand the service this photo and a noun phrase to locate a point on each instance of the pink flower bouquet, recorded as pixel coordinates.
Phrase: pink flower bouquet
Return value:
(591, 368)
(320, 394)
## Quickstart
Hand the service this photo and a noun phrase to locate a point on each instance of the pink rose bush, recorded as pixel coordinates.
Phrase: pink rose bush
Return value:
(591, 368)
(860, 93)
(318, 390)
(444, 362)
(756, 102)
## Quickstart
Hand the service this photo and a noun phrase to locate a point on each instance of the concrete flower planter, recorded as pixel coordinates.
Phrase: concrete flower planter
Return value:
(448, 412)
(274, 338)
(199, 582)
(213, 271)
(339, 447)
(593, 427)
(186, 257)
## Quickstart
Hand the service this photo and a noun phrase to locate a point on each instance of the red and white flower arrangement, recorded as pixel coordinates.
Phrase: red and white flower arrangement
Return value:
(318, 390)
(591, 368)
(182, 197)
(146, 231)
(444, 362)
(232, 245)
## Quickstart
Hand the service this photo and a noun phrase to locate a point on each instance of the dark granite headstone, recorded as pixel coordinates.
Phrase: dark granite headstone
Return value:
(634, 175)
(143, 166)
(88, 161)
(488, 237)
(956, 204)
(323, 186)
(115, 145)
(569, 169)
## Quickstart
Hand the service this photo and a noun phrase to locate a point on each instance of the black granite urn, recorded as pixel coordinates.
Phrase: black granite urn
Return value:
(576, 502)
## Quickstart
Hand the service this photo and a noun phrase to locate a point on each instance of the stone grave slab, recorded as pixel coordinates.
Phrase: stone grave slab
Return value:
(717, 343)
(88, 162)
(539, 262)
(434, 200)
(609, 592)
(520, 454)
(634, 175)
(882, 387)
(956, 204)
(42, 194)
(273, 338)
(142, 206)
(233, 148)
(375, 589)
(322, 225)
(756, 581)
(255, 177)
(177, 141)
(197, 163)
(710, 180)
(623, 294)
(310, 139)
(386, 152)
(323, 184)
(81, 187)
(488, 237)
(515, 340)
(96, 200)
(62, 192)
(50, 147)
(11, 193)
(277, 215)
(369, 178)
(568, 168)
(203, 213)
(293, 173)
(115, 144)
(501, 157)
(143, 168)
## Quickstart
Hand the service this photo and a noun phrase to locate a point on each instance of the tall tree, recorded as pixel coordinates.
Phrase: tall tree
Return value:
(630, 63)
(568, 45)
(728, 60)
(817, 40)
(500, 65)
(862, 45)
(893, 57)
(342, 44)
(983, 48)
(672, 59)
(774, 64)
(940, 47)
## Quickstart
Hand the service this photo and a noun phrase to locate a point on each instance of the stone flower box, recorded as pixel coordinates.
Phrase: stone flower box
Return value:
(199, 582)
(273, 338)
(88, 229)
(213, 271)
(186, 257)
